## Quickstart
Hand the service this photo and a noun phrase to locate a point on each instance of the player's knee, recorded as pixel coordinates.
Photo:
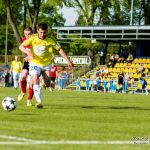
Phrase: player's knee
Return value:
(47, 83)
(23, 78)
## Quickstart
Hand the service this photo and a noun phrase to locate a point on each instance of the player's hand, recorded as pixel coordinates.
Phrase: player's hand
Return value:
(26, 59)
(29, 56)
(70, 64)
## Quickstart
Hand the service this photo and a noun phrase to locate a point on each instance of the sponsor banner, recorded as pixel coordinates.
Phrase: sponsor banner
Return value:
(77, 60)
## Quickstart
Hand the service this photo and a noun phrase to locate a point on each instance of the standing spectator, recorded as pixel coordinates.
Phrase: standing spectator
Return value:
(78, 84)
(7, 77)
(114, 85)
(16, 67)
(87, 84)
(53, 75)
(144, 85)
(104, 84)
(97, 84)
(111, 85)
(91, 84)
(64, 77)
(126, 79)
(120, 81)
(59, 82)
(0, 75)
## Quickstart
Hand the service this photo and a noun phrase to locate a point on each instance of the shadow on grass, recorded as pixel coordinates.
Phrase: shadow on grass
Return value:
(96, 107)
(115, 107)
(27, 114)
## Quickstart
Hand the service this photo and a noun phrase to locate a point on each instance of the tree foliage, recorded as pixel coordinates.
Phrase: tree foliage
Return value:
(23, 13)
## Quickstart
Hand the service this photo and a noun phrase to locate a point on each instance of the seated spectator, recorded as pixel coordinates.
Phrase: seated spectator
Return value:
(111, 62)
(116, 58)
(106, 70)
(140, 69)
(121, 59)
(130, 58)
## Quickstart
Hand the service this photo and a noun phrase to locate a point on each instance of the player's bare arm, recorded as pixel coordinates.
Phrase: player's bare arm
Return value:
(63, 54)
(24, 50)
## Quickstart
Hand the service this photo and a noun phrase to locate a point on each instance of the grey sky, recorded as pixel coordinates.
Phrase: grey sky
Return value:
(70, 15)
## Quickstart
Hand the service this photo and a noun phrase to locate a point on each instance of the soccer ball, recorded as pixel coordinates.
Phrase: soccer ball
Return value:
(9, 104)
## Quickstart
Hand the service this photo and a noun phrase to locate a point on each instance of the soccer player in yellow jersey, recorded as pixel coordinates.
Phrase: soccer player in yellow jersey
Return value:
(40, 57)
(16, 67)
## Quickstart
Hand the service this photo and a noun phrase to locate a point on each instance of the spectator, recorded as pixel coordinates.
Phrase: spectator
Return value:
(104, 82)
(91, 84)
(7, 77)
(120, 81)
(144, 85)
(64, 77)
(140, 69)
(114, 85)
(130, 58)
(111, 62)
(78, 84)
(16, 67)
(126, 79)
(97, 84)
(87, 84)
(111, 85)
(53, 75)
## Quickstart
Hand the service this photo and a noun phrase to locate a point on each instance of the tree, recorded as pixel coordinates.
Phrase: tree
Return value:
(22, 13)
(10, 19)
(146, 12)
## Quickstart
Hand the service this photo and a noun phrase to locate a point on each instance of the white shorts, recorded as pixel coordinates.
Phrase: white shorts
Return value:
(16, 76)
(35, 69)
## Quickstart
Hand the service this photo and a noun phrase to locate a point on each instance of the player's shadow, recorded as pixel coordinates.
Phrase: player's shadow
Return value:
(27, 114)
(96, 107)
(115, 107)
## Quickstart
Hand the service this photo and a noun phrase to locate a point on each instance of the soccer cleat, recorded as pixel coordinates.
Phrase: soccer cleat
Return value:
(38, 105)
(43, 86)
(21, 96)
(29, 103)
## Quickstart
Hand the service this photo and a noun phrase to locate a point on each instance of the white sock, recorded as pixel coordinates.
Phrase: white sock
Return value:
(37, 93)
(15, 83)
(146, 91)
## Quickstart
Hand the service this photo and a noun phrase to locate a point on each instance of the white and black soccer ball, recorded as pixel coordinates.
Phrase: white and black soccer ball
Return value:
(9, 104)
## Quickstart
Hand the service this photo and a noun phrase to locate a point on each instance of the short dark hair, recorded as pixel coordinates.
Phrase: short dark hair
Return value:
(43, 26)
(28, 29)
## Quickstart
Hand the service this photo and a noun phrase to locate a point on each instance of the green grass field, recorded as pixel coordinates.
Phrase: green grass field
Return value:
(81, 118)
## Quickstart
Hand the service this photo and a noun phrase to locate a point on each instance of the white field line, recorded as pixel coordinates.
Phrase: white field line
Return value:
(24, 141)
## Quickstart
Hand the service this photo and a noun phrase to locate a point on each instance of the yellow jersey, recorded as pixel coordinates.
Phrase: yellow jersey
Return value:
(41, 49)
(16, 66)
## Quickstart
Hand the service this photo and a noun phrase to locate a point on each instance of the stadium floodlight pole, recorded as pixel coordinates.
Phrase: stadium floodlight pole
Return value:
(131, 13)
(131, 16)
(6, 47)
